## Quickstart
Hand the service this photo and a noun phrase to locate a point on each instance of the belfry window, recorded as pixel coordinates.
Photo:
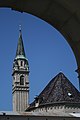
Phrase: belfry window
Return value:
(21, 63)
(22, 80)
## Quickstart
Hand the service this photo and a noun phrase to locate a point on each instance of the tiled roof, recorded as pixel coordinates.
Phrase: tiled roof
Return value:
(59, 90)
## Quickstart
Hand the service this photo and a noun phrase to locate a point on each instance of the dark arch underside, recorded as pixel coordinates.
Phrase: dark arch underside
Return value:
(64, 15)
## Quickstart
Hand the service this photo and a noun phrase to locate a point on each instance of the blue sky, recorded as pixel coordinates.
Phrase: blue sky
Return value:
(46, 49)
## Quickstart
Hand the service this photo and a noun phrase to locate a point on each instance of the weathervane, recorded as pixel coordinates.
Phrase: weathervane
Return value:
(19, 27)
(20, 30)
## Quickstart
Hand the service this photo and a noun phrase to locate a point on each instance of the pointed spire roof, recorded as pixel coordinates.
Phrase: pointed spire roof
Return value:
(58, 90)
(20, 53)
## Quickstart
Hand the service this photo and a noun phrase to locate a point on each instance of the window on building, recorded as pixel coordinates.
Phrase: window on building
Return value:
(22, 80)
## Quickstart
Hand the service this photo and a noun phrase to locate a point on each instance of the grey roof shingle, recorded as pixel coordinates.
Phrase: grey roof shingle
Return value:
(58, 90)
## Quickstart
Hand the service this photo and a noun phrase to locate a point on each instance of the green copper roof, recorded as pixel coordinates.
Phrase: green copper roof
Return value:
(20, 47)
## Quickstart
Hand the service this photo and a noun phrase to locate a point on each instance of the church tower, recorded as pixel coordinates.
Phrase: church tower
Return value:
(20, 87)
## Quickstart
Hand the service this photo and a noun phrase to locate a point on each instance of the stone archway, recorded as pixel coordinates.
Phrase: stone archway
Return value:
(64, 15)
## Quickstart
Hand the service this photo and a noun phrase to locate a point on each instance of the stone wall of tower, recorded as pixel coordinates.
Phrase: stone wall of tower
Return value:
(20, 89)
(20, 102)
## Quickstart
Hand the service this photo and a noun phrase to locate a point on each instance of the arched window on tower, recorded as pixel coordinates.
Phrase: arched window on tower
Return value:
(22, 80)
(21, 63)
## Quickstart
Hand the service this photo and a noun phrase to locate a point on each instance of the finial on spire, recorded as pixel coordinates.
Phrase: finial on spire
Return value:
(19, 27)
(20, 30)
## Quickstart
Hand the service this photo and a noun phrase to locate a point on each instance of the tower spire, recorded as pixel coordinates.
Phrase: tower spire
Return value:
(20, 47)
